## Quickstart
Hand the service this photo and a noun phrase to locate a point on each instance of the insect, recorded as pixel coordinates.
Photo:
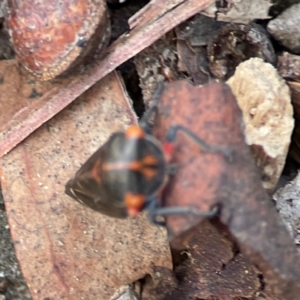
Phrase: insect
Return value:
(127, 174)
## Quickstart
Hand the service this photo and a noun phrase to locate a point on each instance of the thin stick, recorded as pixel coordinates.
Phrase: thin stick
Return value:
(120, 51)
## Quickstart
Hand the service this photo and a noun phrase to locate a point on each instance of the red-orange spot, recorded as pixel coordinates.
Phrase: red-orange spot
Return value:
(145, 166)
(95, 171)
(135, 166)
(134, 203)
(149, 173)
(134, 132)
(149, 160)
(168, 149)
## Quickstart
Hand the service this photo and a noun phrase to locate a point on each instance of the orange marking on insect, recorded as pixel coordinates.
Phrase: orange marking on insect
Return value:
(147, 166)
(149, 173)
(134, 203)
(149, 160)
(145, 170)
(134, 132)
(95, 171)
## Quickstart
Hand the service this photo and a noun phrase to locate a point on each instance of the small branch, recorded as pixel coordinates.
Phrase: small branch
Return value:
(145, 32)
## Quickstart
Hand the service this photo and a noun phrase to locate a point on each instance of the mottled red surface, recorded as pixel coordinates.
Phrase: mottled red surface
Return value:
(206, 177)
(45, 33)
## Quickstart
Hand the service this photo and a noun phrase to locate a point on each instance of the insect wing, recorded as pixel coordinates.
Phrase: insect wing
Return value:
(90, 186)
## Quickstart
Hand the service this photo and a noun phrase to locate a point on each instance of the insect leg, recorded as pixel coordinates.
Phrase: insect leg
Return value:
(172, 134)
(152, 206)
(154, 211)
(179, 210)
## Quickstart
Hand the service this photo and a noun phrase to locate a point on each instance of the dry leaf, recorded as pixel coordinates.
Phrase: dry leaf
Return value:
(193, 36)
(155, 64)
(213, 270)
(205, 177)
(18, 91)
(67, 251)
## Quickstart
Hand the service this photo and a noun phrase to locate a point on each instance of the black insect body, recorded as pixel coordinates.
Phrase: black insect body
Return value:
(126, 174)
